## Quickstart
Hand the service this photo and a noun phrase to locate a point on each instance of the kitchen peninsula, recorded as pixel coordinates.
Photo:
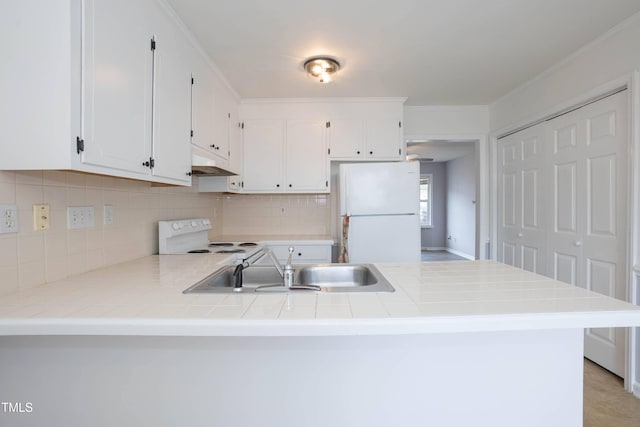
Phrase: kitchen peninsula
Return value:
(457, 343)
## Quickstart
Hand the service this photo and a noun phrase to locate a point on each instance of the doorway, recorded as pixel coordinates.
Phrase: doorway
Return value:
(448, 207)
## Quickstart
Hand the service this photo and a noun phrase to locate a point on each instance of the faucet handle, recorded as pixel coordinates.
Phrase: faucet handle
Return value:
(290, 255)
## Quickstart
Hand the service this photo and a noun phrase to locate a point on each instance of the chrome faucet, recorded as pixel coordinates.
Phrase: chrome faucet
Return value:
(286, 274)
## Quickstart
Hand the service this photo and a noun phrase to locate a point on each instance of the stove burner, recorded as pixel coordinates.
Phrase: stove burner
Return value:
(221, 244)
(248, 244)
(231, 251)
(199, 251)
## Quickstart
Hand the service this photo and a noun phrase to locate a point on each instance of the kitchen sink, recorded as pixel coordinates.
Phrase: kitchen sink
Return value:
(327, 277)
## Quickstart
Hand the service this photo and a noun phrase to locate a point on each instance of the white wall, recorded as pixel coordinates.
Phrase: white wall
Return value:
(436, 237)
(612, 58)
(461, 207)
(445, 120)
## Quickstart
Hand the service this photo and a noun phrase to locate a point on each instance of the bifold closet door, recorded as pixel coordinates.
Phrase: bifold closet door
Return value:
(587, 233)
(521, 199)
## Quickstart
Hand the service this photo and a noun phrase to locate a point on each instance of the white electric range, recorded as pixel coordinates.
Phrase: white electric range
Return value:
(188, 236)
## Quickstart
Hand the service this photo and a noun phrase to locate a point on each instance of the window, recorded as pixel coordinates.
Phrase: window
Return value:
(425, 200)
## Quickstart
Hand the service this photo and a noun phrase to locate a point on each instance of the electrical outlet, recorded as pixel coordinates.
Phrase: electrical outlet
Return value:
(108, 214)
(80, 217)
(9, 219)
(41, 219)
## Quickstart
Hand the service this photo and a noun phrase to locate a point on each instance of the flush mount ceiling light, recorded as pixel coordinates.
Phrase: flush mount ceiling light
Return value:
(321, 68)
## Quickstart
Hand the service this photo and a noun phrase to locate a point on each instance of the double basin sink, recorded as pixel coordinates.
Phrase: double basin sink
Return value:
(319, 277)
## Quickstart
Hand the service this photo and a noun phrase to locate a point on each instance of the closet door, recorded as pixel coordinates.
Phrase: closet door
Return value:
(521, 199)
(587, 237)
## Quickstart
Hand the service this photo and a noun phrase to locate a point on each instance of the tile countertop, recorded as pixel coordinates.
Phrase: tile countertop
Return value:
(144, 297)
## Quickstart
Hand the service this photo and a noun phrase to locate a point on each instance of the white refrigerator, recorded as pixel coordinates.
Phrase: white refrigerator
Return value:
(379, 205)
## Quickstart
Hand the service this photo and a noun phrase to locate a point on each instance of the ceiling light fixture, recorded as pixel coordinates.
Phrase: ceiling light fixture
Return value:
(321, 68)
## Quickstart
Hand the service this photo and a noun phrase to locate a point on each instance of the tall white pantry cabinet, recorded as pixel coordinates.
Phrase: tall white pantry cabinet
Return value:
(96, 86)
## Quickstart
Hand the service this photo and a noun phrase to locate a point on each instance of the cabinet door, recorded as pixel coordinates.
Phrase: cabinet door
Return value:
(171, 103)
(222, 103)
(117, 87)
(383, 139)
(202, 112)
(346, 139)
(263, 155)
(235, 150)
(306, 156)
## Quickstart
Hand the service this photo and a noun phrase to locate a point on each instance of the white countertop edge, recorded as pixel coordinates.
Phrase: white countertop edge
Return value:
(317, 327)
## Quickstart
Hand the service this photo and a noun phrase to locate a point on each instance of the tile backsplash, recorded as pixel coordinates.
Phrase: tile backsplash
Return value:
(276, 214)
(29, 258)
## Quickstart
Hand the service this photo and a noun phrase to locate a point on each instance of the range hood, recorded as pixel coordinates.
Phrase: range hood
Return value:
(205, 164)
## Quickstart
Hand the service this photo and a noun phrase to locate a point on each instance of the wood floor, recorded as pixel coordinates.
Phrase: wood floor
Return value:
(606, 402)
(440, 256)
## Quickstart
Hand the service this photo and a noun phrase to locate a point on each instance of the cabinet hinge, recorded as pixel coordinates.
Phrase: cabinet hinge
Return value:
(328, 150)
(191, 133)
(326, 184)
(152, 162)
(193, 80)
(327, 125)
(229, 115)
(79, 145)
(400, 124)
(242, 125)
(400, 151)
(153, 44)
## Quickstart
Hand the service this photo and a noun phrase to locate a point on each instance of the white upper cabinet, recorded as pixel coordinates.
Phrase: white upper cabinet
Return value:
(171, 140)
(346, 139)
(263, 155)
(117, 85)
(285, 156)
(366, 139)
(383, 139)
(306, 163)
(104, 101)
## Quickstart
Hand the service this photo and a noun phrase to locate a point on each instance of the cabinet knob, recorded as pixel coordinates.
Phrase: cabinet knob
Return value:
(299, 253)
(213, 146)
(370, 152)
(146, 163)
(357, 152)
(290, 186)
(278, 185)
(189, 173)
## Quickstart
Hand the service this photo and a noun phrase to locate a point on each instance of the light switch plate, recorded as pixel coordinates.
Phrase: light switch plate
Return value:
(9, 219)
(108, 214)
(41, 217)
(80, 217)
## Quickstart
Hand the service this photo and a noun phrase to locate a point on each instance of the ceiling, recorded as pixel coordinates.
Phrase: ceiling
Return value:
(440, 150)
(435, 52)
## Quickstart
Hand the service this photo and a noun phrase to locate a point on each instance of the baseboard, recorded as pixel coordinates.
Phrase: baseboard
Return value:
(462, 254)
(636, 389)
(433, 248)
